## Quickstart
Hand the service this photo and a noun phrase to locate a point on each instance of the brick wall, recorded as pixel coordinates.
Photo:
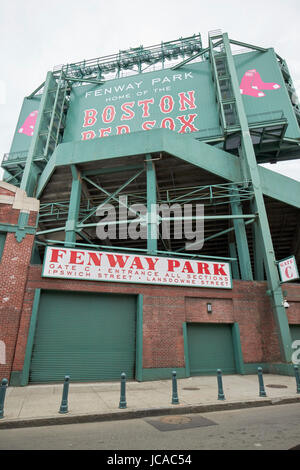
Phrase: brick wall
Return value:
(8, 215)
(293, 298)
(14, 267)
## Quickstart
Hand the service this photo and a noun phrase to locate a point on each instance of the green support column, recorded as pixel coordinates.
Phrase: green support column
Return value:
(151, 207)
(30, 338)
(241, 236)
(139, 340)
(259, 273)
(74, 206)
(22, 222)
(248, 154)
(30, 175)
(234, 264)
(237, 347)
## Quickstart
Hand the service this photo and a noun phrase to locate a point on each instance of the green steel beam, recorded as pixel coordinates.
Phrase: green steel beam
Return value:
(189, 59)
(234, 264)
(52, 230)
(186, 350)
(46, 174)
(279, 187)
(152, 226)
(84, 237)
(105, 171)
(35, 91)
(52, 117)
(241, 236)
(15, 229)
(110, 195)
(139, 339)
(258, 204)
(249, 46)
(217, 85)
(228, 230)
(202, 155)
(291, 141)
(30, 337)
(11, 177)
(33, 178)
(162, 219)
(199, 54)
(75, 196)
(81, 80)
(259, 274)
(142, 250)
(237, 347)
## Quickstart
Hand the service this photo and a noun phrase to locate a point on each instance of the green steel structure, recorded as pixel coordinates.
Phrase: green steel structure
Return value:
(251, 213)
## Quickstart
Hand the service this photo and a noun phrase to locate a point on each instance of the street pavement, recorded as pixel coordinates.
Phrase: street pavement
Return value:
(39, 405)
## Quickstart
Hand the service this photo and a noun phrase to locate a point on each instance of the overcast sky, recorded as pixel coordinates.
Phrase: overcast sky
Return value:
(36, 35)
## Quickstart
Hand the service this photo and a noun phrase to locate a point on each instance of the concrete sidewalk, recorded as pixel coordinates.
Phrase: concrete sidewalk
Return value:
(38, 405)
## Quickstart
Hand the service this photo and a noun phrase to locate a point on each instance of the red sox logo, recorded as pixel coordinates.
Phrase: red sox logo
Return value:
(252, 84)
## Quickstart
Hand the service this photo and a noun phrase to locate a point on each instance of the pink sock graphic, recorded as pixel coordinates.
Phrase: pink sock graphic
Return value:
(258, 84)
(246, 85)
(252, 84)
(29, 123)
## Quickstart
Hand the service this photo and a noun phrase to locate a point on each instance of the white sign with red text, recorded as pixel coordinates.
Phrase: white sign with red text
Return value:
(288, 269)
(69, 263)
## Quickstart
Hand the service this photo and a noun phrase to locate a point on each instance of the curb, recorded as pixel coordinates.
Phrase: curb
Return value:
(142, 413)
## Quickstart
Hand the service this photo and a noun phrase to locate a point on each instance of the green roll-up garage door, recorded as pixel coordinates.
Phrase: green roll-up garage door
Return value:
(210, 347)
(87, 336)
(295, 332)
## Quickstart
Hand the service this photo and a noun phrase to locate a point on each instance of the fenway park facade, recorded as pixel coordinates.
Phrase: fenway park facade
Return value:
(140, 231)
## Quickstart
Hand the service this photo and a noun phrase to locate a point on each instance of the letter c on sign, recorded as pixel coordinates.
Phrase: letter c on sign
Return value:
(289, 275)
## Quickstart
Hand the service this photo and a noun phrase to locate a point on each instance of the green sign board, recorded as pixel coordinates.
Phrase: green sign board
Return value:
(263, 89)
(182, 100)
(26, 124)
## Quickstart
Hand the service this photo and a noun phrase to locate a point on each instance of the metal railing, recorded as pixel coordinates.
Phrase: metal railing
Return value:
(134, 57)
(15, 156)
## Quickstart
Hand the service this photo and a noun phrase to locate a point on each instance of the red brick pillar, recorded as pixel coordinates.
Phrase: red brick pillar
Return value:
(17, 220)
